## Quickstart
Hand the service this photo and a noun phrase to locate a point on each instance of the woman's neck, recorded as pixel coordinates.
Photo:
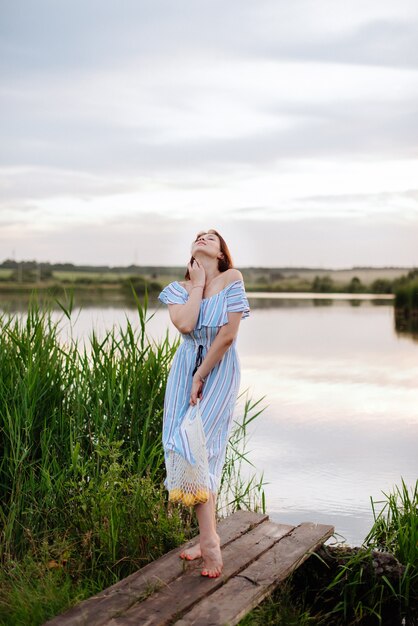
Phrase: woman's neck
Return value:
(211, 270)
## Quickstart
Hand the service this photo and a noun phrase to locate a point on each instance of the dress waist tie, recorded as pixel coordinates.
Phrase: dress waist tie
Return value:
(199, 358)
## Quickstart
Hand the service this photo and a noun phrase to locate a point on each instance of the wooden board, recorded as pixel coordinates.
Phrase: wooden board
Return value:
(229, 604)
(257, 554)
(97, 610)
(173, 600)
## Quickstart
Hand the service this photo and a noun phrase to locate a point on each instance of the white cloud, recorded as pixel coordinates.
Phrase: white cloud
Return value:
(324, 242)
(272, 112)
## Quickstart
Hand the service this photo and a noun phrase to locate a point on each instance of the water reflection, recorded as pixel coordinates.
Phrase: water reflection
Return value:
(406, 323)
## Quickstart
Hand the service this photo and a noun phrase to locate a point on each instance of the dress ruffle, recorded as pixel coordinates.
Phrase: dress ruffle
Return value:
(172, 294)
(213, 310)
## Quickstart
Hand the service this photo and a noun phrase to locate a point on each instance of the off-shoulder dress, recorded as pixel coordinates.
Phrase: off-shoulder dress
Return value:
(221, 387)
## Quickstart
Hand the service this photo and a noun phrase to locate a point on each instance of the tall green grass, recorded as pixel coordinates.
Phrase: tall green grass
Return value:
(82, 463)
(356, 586)
(380, 579)
(406, 291)
(237, 491)
(57, 401)
(395, 529)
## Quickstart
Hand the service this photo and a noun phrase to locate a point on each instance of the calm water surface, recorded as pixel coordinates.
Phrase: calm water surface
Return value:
(341, 402)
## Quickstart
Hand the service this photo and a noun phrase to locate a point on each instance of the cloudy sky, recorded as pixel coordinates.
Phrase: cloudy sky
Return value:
(291, 127)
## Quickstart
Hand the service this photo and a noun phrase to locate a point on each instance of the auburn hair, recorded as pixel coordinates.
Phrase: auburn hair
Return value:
(223, 264)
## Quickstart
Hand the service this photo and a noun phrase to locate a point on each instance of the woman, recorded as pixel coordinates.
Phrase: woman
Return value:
(207, 309)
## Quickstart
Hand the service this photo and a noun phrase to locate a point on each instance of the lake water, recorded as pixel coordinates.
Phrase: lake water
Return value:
(341, 401)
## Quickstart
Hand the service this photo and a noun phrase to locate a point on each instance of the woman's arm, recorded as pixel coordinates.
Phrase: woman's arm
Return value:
(219, 346)
(184, 316)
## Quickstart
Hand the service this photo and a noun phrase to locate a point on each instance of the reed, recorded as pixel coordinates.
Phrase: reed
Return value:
(395, 530)
(57, 401)
(239, 490)
(372, 584)
(376, 583)
(81, 460)
(406, 295)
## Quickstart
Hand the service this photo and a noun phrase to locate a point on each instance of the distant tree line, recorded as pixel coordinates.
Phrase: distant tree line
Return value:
(70, 267)
(325, 284)
(256, 278)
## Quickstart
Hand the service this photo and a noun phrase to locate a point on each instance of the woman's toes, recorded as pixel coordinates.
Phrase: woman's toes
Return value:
(211, 573)
(191, 553)
(212, 559)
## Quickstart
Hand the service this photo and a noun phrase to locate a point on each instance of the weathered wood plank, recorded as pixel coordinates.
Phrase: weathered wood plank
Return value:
(229, 604)
(98, 609)
(183, 593)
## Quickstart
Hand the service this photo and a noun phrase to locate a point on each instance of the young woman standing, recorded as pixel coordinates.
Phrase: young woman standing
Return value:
(206, 309)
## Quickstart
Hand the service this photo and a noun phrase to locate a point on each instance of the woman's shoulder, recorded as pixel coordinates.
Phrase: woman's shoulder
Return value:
(234, 274)
(229, 276)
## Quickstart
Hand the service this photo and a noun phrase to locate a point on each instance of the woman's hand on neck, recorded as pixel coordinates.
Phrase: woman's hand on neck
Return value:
(210, 266)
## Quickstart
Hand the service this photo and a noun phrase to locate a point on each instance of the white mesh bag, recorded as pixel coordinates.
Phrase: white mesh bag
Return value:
(188, 476)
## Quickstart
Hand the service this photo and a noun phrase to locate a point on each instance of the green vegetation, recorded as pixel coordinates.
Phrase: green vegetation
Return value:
(406, 304)
(81, 463)
(24, 275)
(395, 529)
(373, 584)
(82, 497)
(140, 285)
(406, 291)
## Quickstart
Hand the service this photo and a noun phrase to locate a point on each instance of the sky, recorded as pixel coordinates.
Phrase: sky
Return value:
(290, 127)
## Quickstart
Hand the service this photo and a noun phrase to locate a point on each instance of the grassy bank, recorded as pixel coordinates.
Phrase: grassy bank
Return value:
(82, 466)
(357, 280)
(406, 305)
(406, 295)
(374, 584)
(82, 499)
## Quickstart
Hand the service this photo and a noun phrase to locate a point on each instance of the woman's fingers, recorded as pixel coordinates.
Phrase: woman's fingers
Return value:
(196, 392)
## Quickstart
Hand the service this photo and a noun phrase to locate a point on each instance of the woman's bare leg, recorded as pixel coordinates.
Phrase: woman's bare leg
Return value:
(209, 538)
(209, 545)
(195, 551)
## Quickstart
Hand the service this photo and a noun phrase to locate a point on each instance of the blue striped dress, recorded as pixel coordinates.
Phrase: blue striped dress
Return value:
(220, 389)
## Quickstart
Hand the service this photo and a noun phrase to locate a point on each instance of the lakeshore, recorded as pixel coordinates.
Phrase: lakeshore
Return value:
(83, 500)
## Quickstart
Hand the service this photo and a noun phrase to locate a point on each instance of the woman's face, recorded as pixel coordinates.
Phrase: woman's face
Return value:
(209, 242)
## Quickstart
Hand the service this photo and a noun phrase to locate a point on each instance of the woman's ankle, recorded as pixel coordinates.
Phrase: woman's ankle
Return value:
(210, 539)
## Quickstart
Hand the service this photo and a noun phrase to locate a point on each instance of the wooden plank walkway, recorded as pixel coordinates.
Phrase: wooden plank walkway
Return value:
(257, 554)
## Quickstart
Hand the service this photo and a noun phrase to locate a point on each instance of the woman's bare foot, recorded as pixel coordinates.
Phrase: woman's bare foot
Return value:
(212, 557)
(191, 553)
(195, 552)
